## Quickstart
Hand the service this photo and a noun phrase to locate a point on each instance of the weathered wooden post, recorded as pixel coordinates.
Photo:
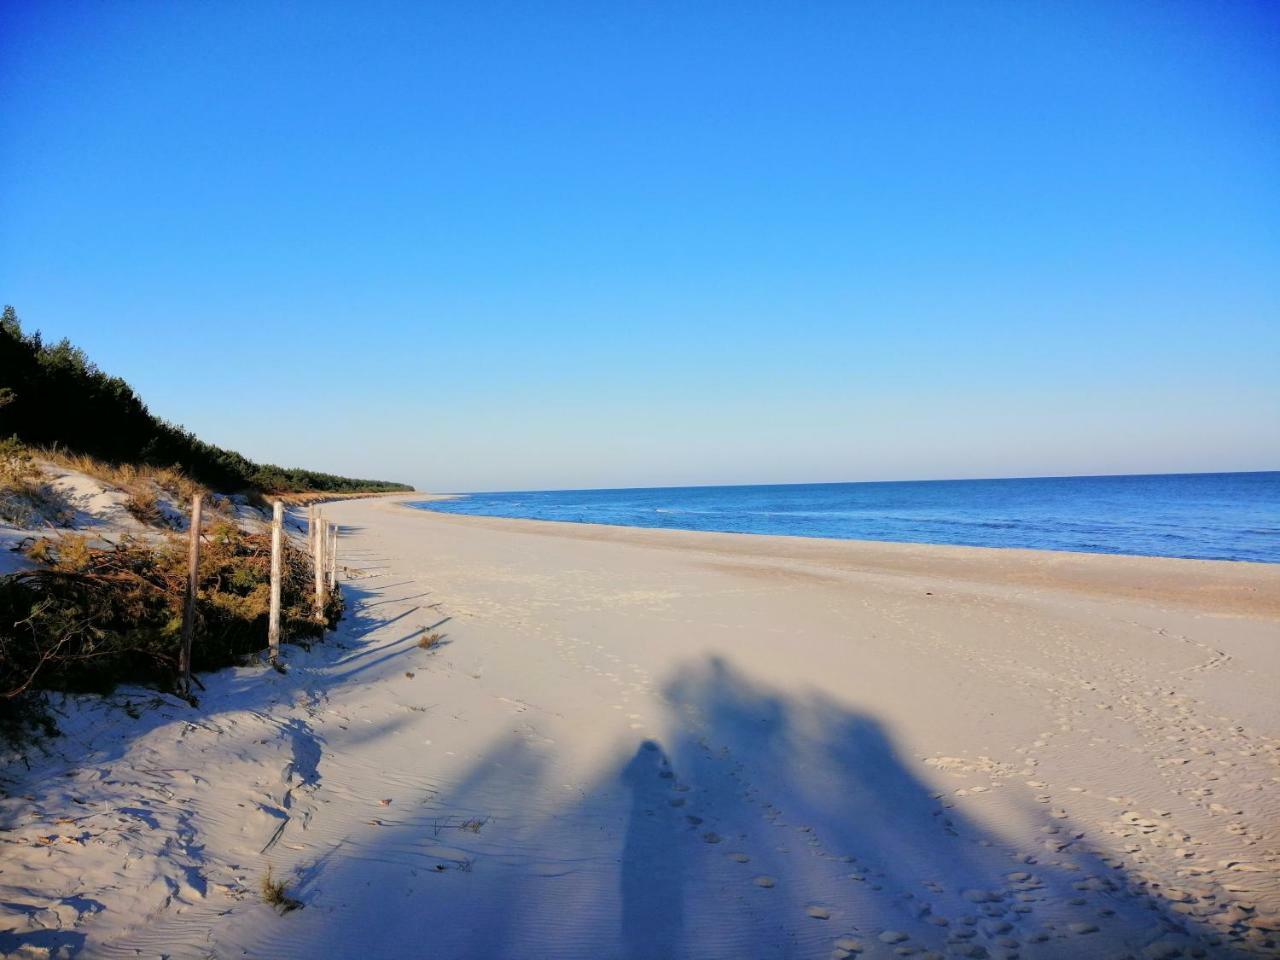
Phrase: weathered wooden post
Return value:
(277, 572)
(333, 555)
(318, 538)
(193, 589)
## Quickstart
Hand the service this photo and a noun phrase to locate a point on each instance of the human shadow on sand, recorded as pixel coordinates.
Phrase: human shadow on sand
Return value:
(764, 824)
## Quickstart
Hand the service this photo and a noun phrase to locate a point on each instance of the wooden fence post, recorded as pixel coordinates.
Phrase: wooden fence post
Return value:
(318, 538)
(333, 555)
(193, 588)
(277, 571)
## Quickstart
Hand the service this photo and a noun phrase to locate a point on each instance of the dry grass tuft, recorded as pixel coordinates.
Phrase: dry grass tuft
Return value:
(274, 894)
(144, 506)
(26, 499)
(429, 640)
(177, 484)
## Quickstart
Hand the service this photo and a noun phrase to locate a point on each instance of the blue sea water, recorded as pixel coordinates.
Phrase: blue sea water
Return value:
(1212, 516)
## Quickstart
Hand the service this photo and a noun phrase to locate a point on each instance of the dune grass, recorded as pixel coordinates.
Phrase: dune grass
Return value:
(275, 893)
(26, 497)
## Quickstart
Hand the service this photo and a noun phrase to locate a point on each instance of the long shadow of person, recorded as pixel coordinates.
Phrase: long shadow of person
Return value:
(652, 879)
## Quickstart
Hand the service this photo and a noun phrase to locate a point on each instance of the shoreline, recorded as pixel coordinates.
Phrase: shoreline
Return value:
(802, 536)
(1236, 587)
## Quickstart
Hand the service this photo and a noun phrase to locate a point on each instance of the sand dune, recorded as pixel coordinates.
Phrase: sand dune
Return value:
(659, 744)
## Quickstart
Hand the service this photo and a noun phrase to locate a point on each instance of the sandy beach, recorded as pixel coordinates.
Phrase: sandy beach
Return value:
(658, 744)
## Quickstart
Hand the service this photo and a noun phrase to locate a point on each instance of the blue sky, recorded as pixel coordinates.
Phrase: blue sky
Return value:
(492, 246)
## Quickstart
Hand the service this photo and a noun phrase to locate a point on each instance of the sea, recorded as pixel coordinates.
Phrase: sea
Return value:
(1209, 516)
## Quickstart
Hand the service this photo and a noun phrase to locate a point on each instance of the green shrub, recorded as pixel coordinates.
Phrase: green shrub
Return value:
(92, 618)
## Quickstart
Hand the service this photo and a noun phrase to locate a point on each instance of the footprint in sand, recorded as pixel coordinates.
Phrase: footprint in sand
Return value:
(765, 881)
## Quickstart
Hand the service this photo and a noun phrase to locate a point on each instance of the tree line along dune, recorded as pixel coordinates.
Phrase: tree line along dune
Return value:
(54, 396)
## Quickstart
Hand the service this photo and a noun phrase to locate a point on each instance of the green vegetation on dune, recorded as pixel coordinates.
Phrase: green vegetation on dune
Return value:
(53, 395)
(89, 617)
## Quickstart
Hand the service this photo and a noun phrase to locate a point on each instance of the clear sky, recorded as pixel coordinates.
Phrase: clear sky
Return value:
(516, 245)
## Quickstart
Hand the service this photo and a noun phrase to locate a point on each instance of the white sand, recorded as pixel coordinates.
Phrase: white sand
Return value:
(661, 744)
